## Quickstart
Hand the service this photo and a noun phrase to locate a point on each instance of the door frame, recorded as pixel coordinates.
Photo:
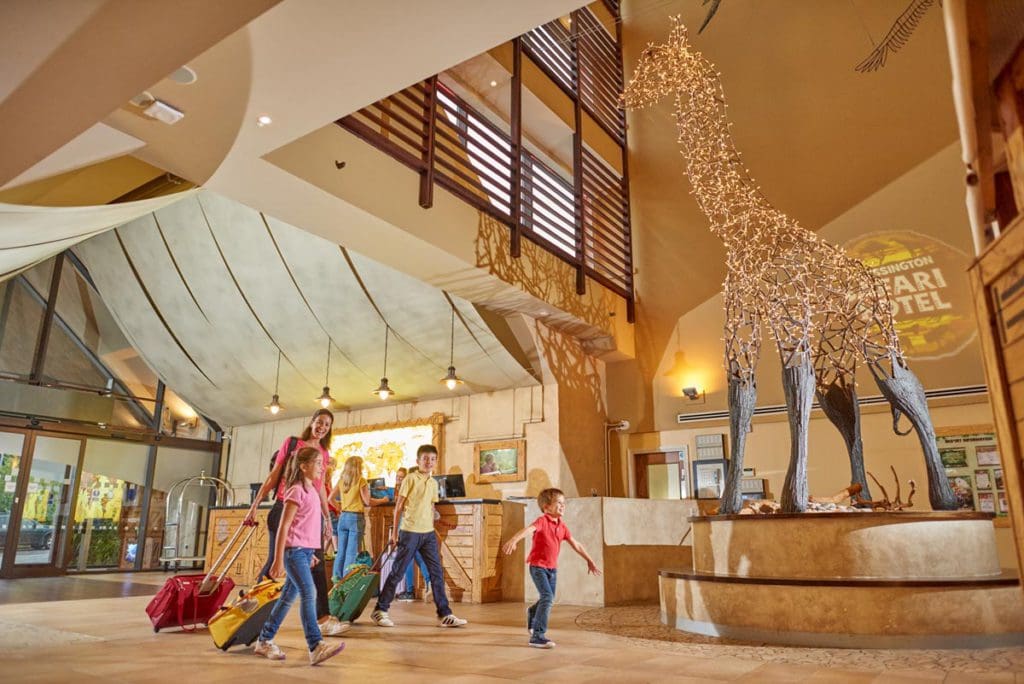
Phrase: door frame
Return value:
(9, 569)
(633, 453)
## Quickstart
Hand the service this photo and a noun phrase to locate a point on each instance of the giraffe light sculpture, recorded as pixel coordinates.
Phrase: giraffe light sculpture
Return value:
(824, 310)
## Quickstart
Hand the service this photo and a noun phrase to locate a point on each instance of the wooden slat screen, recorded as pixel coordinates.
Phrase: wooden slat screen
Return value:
(600, 77)
(432, 130)
(595, 61)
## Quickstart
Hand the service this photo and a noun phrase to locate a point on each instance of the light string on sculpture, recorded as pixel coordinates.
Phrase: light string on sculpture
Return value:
(275, 405)
(814, 299)
(451, 380)
(325, 397)
(825, 310)
(383, 391)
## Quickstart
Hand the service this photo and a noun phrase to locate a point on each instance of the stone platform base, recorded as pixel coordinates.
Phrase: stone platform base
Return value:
(930, 614)
(923, 580)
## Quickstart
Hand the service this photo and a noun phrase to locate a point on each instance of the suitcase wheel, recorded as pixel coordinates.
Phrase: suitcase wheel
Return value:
(156, 630)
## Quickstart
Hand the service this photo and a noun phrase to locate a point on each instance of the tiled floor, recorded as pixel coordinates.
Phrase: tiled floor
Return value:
(109, 639)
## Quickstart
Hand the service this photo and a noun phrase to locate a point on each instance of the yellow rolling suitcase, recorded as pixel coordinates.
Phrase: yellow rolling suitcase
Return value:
(240, 623)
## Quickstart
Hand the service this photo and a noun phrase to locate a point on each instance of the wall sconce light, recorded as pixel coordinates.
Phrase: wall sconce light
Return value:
(692, 394)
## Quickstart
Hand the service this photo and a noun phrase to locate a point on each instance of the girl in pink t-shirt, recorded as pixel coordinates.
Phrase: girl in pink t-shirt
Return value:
(298, 537)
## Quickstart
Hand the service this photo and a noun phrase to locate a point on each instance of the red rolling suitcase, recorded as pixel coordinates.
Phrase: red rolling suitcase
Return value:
(189, 600)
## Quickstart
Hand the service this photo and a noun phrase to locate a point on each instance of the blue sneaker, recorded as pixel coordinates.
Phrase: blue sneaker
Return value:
(541, 642)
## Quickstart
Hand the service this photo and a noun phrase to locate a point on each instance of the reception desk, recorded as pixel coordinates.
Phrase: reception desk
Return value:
(469, 534)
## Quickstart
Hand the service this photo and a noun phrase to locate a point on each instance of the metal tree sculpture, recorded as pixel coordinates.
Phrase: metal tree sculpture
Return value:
(825, 311)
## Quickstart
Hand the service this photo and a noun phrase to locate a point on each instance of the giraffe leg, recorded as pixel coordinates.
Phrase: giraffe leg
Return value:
(742, 398)
(798, 383)
(838, 400)
(905, 395)
(742, 351)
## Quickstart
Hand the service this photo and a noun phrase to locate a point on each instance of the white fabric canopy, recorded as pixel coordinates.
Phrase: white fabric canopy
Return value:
(29, 235)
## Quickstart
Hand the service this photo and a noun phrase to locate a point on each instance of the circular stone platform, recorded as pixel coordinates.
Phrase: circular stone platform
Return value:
(861, 580)
(846, 545)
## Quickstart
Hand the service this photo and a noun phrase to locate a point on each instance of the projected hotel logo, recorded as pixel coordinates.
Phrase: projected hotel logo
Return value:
(928, 285)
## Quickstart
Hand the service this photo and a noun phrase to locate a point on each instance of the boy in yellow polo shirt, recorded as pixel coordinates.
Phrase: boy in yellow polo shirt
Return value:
(414, 510)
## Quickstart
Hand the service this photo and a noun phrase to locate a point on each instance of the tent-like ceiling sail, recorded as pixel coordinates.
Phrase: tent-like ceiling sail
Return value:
(29, 234)
(208, 291)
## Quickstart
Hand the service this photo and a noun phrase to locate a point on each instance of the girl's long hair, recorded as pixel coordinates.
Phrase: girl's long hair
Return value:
(325, 441)
(293, 473)
(351, 472)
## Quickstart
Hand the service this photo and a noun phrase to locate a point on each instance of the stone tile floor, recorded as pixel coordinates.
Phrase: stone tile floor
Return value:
(109, 639)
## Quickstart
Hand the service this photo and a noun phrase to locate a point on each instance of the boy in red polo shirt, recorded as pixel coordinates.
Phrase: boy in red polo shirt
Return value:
(549, 531)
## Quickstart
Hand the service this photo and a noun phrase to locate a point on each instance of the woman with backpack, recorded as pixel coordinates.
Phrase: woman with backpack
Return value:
(316, 435)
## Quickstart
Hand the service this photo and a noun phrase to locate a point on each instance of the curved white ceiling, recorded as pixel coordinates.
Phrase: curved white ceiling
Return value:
(208, 290)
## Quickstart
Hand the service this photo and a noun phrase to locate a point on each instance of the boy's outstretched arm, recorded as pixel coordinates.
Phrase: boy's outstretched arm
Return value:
(578, 548)
(510, 546)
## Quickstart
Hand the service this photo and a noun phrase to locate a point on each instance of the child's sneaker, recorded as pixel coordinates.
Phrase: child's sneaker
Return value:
(381, 619)
(541, 642)
(450, 621)
(268, 649)
(332, 626)
(323, 651)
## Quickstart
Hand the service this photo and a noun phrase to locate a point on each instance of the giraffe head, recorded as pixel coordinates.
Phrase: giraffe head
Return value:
(663, 70)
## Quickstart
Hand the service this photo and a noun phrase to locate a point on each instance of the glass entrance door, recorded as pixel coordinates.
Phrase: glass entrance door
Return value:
(37, 534)
(12, 447)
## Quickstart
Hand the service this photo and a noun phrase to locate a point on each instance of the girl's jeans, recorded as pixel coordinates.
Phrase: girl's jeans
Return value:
(299, 582)
(350, 532)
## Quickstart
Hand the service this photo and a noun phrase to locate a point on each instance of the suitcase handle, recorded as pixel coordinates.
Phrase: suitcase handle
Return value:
(209, 584)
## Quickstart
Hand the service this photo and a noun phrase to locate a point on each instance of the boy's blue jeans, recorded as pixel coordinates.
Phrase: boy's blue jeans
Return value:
(544, 579)
(408, 544)
(410, 578)
(299, 582)
(350, 532)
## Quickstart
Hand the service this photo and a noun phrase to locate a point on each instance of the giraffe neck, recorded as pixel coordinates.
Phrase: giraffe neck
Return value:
(721, 184)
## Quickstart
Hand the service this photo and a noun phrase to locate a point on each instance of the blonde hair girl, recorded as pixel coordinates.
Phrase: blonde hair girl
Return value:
(352, 495)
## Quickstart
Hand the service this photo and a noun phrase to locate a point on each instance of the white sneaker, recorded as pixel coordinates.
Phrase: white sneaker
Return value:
(450, 621)
(332, 626)
(268, 649)
(381, 619)
(323, 651)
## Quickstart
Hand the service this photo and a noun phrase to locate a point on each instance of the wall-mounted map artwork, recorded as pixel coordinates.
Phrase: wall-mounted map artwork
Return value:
(927, 282)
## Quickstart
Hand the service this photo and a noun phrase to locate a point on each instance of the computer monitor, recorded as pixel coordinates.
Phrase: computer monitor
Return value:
(377, 483)
(450, 486)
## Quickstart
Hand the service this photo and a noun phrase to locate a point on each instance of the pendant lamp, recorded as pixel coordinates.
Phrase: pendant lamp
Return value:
(383, 391)
(325, 398)
(451, 380)
(275, 405)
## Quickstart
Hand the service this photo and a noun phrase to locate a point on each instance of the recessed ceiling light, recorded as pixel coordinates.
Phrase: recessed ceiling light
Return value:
(494, 84)
(263, 120)
(183, 75)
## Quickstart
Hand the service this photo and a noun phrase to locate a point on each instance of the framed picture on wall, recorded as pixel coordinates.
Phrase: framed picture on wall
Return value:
(709, 478)
(503, 461)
